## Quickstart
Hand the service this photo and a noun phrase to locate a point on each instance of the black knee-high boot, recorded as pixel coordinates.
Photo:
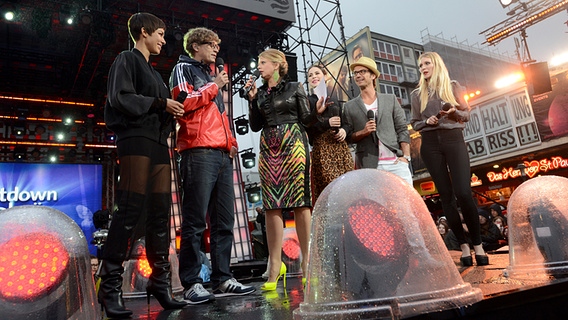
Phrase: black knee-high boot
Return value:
(125, 218)
(157, 252)
(160, 284)
(110, 290)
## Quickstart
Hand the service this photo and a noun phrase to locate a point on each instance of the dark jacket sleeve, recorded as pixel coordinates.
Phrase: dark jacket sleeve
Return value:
(322, 123)
(121, 89)
(256, 120)
(307, 117)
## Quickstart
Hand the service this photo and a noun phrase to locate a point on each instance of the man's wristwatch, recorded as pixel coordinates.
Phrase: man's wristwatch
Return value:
(407, 158)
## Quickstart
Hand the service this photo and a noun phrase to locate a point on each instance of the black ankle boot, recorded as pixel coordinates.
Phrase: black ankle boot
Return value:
(159, 284)
(110, 290)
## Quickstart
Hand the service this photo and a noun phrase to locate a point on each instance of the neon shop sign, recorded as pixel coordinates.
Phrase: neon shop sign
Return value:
(532, 168)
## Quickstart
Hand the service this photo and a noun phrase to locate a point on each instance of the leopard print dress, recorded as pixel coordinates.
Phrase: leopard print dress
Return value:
(330, 159)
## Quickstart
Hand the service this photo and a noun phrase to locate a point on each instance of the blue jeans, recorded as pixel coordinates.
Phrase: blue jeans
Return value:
(207, 176)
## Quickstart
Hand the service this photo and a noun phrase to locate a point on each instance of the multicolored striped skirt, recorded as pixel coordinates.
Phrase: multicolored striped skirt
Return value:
(284, 167)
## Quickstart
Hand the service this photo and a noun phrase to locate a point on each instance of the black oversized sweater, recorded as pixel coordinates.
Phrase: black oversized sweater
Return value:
(136, 99)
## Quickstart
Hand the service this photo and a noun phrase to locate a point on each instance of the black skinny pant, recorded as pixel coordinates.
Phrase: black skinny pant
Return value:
(445, 154)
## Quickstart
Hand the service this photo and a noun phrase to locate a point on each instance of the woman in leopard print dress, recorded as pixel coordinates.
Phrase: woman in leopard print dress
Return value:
(330, 154)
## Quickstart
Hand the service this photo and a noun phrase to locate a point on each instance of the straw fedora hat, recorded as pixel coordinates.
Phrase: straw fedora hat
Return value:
(367, 63)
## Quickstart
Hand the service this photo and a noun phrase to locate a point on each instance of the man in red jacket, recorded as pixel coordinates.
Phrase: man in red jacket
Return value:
(207, 147)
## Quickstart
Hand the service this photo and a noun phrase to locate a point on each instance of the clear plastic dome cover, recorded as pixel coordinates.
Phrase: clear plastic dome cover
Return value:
(45, 266)
(375, 252)
(137, 271)
(537, 216)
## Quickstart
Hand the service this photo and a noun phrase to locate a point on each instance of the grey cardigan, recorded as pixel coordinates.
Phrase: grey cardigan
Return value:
(392, 128)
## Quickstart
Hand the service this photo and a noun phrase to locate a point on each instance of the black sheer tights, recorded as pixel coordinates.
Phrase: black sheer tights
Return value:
(138, 175)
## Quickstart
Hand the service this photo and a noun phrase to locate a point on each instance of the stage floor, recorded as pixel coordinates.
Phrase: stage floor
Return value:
(498, 292)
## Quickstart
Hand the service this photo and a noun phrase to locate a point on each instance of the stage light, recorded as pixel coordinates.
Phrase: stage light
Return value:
(20, 153)
(252, 64)
(471, 95)
(509, 80)
(241, 125)
(373, 256)
(559, 59)
(110, 136)
(53, 155)
(537, 215)
(86, 17)
(68, 121)
(98, 155)
(45, 266)
(291, 252)
(8, 12)
(178, 34)
(506, 3)
(248, 158)
(60, 136)
(253, 194)
(518, 22)
(137, 271)
(19, 128)
(9, 15)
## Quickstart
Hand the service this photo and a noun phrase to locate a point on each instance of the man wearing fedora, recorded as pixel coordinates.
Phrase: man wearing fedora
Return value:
(381, 136)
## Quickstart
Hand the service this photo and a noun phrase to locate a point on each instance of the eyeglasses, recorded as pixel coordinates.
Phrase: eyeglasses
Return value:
(212, 44)
(360, 72)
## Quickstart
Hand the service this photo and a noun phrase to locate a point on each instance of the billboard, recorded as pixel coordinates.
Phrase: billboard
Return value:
(339, 83)
(501, 125)
(74, 189)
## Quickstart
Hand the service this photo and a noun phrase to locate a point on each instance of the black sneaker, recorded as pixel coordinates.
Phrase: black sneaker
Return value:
(232, 287)
(197, 294)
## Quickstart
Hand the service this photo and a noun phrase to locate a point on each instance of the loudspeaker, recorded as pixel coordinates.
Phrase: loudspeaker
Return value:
(537, 78)
(292, 66)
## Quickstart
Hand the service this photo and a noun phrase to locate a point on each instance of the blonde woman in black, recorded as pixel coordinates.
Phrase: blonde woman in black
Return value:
(438, 112)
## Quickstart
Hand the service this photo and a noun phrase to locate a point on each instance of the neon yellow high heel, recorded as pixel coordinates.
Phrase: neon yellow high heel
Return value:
(271, 286)
(304, 282)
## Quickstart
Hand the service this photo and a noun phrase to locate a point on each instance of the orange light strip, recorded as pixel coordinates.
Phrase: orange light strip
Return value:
(527, 21)
(41, 119)
(108, 146)
(37, 143)
(48, 101)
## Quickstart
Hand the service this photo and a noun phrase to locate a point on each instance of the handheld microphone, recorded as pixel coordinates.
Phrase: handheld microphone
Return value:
(334, 113)
(370, 115)
(169, 117)
(220, 68)
(220, 64)
(445, 106)
(181, 97)
(243, 92)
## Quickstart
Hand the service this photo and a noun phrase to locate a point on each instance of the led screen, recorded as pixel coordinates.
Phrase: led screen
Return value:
(75, 189)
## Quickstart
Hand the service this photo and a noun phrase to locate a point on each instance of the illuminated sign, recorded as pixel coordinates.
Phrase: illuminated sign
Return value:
(475, 181)
(501, 125)
(427, 186)
(75, 189)
(532, 168)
